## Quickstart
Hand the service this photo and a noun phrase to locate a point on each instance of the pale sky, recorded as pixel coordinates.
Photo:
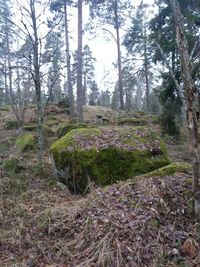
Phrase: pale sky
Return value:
(106, 51)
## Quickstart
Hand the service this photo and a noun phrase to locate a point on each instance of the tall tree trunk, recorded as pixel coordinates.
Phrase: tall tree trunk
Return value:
(69, 74)
(119, 60)
(37, 82)
(84, 90)
(12, 101)
(80, 65)
(20, 102)
(190, 98)
(146, 70)
(6, 86)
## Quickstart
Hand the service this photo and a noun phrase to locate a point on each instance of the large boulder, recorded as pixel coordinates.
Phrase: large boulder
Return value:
(105, 156)
(66, 128)
(47, 131)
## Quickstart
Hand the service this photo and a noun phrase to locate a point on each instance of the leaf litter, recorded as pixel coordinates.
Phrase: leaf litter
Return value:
(142, 222)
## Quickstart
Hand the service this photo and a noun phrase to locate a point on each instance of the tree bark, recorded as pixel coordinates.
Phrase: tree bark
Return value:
(190, 98)
(6, 86)
(120, 82)
(80, 65)
(12, 101)
(146, 70)
(69, 74)
(37, 82)
(84, 90)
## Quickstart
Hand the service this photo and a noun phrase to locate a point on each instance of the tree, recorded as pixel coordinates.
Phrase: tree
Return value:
(190, 91)
(53, 55)
(111, 13)
(104, 99)
(137, 41)
(163, 35)
(94, 94)
(80, 63)
(10, 64)
(58, 5)
(88, 70)
(36, 75)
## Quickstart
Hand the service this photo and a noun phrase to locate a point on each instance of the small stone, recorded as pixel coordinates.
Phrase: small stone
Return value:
(175, 251)
(61, 186)
(191, 248)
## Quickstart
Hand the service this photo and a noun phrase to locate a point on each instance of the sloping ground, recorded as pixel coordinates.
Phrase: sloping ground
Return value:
(131, 224)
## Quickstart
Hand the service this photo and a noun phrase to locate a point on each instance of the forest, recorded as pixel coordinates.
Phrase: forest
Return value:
(99, 133)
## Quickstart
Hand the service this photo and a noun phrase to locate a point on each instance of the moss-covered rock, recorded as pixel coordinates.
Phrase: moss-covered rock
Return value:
(139, 121)
(105, 156)
(66, 128)
(133, 121)
(11, 165)
(171, 169)
(25, 142)
(33, 128)
(10, 125)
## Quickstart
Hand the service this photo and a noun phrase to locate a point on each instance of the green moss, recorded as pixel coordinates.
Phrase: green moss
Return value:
(170, 169)
(138, 119)
(152, 118)
(66, 128)
(110, 162)
(33, 127)
(68, 139)
(133, 121)
(11, 164)
(25, 142)
(10, 125)
(4, 108)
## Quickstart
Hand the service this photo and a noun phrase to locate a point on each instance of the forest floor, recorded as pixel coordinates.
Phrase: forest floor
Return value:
(137, 223)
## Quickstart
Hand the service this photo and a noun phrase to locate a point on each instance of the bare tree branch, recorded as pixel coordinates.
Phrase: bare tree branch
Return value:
(177, 85)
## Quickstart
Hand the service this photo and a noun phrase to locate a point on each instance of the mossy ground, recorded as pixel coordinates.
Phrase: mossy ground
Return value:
(171, 169)
(139, 120)
(106, 156)
(11, 164)
(67, 127)
(25, 142)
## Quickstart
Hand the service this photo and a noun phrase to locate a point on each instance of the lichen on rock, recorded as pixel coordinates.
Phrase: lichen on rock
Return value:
(105, 156)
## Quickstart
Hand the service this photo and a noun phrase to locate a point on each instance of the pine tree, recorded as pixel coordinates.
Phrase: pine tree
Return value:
(53, 55)
(88, 71)
(61, 6)
(137, 42)
(94, 94)
(111, 12)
